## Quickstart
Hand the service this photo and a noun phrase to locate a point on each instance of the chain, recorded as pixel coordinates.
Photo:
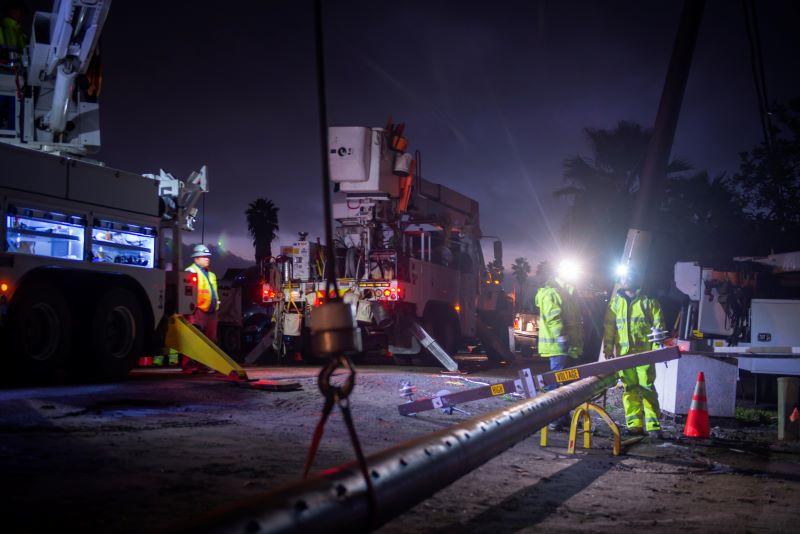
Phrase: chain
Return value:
(339, 395)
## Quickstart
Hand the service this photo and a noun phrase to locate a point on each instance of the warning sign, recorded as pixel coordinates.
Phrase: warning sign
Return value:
(498, 389)
(567, 375)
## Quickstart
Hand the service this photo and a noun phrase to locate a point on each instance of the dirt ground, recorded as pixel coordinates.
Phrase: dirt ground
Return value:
(163, 448)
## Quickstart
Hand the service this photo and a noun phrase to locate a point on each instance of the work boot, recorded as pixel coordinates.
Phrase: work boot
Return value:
(561, 423)
(656, 434)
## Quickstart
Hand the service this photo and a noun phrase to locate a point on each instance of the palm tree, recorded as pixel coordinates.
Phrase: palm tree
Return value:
(520, 270)
(602, 188)
(262, 225)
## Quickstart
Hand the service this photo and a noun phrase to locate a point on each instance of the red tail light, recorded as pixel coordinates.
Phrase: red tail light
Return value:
(267, 293)
(194, 279)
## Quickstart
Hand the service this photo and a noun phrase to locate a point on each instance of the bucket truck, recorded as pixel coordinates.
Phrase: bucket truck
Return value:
(409, 255)
(84, 283)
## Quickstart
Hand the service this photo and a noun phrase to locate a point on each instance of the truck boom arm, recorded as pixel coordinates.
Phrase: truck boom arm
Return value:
(75, 27)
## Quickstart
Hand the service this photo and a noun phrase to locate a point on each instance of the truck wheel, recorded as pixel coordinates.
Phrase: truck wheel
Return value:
(442, 324)
(493, 335)
(405, 360)
(40, 331)
(116, 334)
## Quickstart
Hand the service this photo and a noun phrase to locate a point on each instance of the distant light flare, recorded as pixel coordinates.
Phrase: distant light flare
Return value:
(222, 243)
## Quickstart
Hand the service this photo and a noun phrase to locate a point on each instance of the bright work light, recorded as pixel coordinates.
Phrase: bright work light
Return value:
(622, 270)
(569, 270)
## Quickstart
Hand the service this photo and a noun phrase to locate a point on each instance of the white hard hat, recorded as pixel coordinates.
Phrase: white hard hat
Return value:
(201, 251)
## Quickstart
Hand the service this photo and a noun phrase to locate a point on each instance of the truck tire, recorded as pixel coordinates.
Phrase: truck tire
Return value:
(116, 334)
(39, 333)
(493, 335)
(442, 324)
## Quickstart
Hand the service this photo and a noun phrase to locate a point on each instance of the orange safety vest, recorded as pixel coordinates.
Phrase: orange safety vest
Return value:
(206, 288)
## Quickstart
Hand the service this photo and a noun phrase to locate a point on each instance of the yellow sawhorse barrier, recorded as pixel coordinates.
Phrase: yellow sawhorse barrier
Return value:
(185, 338)
(582, 414)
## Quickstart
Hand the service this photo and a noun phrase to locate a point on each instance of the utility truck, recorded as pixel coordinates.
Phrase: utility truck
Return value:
(408, 255)
(748, 308)
(85, 283)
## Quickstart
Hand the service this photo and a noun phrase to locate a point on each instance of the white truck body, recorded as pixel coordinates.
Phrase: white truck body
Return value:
(408, 249)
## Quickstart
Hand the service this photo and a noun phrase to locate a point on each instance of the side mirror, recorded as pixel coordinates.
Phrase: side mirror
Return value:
(498, 252)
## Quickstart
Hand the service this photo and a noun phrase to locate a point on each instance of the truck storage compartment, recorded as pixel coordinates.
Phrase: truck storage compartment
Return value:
(45, 233)
(127, 244)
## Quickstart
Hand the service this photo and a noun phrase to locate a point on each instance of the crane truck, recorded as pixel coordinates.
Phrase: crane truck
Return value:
(85, 283)
(409, 255)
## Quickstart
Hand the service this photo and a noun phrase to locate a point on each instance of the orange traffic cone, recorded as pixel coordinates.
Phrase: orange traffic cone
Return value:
(697, 421)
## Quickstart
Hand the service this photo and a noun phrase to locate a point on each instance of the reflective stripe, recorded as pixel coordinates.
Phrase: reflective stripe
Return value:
(560, 324)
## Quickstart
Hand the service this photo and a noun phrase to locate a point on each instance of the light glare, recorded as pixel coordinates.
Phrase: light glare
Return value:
(569, 270)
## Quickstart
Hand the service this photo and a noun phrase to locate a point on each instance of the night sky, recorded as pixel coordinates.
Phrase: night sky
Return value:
(495, 95)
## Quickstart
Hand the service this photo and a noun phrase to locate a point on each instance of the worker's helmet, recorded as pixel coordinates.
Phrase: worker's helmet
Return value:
(201, 251)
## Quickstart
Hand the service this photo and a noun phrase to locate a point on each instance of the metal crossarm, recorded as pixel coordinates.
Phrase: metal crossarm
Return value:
(526, 384)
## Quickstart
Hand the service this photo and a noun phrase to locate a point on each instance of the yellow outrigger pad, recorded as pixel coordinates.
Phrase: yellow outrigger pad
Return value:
(185, 338)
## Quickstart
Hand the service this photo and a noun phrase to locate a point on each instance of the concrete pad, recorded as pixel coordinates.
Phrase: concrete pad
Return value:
(675, 382)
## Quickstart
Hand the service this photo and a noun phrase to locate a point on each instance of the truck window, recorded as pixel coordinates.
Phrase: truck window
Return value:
(42, 233)
(114, 242)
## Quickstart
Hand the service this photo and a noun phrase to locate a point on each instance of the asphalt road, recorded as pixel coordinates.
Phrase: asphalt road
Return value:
(162, 449)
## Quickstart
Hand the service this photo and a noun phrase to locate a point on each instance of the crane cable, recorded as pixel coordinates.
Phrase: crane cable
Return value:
(334, 394)
(330, 278)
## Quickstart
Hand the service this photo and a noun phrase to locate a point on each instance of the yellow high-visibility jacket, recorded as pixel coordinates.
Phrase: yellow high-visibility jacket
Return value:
(560, 330)
(11, 34)
(206, 288)
(628, 323)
